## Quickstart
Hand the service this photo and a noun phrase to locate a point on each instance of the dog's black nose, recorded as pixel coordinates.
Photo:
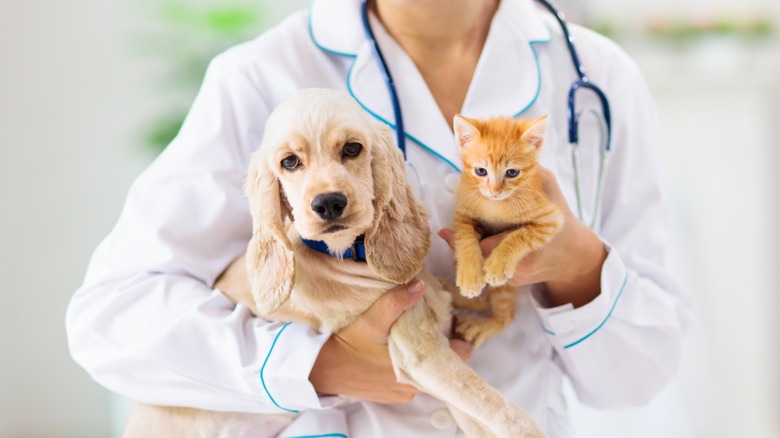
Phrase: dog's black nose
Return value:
(329, 206)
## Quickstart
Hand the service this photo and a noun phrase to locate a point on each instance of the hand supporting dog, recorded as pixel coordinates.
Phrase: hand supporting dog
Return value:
(355, 362)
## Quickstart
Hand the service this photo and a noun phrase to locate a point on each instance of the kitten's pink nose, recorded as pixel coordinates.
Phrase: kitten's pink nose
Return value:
(495, 192)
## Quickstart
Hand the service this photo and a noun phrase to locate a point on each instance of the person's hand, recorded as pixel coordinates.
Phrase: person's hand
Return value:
(355, 361)
(570, 264)
(234, 284)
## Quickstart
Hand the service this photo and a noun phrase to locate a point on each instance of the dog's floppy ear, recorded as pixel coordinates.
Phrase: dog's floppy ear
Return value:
(399, 237)
(270, 260)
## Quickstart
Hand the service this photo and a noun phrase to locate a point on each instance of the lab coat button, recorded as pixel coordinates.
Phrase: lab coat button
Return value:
(565, 327)
(451, 182)
(442, 419)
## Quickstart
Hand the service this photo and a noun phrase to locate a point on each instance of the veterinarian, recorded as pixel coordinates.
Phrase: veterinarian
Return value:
(152, 323)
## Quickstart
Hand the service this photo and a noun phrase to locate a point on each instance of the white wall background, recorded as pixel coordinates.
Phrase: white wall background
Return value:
(720, 119)
(74, 94)
(70, 96)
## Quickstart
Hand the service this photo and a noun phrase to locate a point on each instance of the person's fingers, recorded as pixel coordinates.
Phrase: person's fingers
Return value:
(552, 188)
(488, 244)
(388, 397)
(449, 236)
(549, 182)
(406, 388)
(375, 323)
(462, 348)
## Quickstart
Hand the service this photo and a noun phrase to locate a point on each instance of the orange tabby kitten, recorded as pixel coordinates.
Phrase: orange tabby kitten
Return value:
(500, 189)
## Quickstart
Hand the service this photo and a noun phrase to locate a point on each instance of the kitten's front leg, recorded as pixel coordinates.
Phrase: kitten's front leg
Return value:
(470, 278)
(502, 262)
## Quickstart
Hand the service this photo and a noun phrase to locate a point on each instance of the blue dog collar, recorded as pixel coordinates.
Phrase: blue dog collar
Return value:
(357, 252)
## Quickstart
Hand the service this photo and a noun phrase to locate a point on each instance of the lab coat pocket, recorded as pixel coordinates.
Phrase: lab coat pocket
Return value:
(330, 423)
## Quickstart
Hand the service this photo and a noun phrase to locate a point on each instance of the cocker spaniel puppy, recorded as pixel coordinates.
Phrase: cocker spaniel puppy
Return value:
(327, 184)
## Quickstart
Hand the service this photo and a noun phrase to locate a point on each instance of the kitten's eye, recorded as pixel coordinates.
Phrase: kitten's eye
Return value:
(480, 171)
(291, 162)
(351, 150)
(511, 173)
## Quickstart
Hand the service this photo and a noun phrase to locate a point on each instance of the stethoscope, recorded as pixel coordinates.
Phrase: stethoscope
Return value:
(573, 117)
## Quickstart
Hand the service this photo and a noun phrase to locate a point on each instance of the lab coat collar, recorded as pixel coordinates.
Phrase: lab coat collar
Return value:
(506, 82)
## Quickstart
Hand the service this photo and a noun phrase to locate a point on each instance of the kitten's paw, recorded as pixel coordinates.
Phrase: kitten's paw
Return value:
(478, 330)
(475, 304)
(470, 282)
(498, 271)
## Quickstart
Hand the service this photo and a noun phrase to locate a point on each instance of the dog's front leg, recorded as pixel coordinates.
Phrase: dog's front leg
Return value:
(421, 353)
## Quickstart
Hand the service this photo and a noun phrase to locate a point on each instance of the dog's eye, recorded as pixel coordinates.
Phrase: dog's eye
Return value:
(291, 162)
(480, 171)
(352, 150)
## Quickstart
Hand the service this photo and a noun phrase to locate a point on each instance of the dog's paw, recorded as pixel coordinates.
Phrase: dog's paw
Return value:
(470, 282)
(478, 330)
(517, 422)
(498, 270)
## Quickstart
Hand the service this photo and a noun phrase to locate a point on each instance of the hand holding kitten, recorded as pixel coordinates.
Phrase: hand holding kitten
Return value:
(570, 263)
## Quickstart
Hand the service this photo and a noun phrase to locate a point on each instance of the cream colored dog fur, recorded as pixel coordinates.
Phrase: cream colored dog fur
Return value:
(292, 282)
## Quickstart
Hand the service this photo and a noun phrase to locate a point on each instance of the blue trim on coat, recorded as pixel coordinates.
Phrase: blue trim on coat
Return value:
(622, 287)
(392, 125)
(323, 48)
(333, 435)
(532, 44)
(262, 369)
(620, 293)
(538, 74)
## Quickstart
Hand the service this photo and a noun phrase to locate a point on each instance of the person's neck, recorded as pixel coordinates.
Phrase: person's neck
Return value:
(444, 38)
(435, 24)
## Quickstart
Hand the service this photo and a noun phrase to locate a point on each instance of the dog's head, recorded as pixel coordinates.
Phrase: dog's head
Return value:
(325, 165)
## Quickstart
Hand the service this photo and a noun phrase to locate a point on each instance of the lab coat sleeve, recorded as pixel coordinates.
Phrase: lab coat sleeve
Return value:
(622, 348)
(146, 323)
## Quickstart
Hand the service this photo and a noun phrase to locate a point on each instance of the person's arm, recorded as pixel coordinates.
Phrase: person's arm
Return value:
(624, 346)
(147, 323)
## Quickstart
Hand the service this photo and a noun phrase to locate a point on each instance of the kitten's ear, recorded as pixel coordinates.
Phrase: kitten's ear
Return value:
(465, 133)
(534, 134)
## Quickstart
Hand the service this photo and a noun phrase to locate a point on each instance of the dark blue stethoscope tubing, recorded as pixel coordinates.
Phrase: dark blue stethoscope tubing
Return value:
(582, 80)
(572, 116)
(575, 58)
(399, 120)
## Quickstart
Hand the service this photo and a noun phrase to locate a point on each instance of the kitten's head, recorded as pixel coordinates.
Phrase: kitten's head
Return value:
(499, 155)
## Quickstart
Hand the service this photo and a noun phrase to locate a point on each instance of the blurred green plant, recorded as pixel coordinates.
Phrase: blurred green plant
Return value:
(185, 36)
(606, 28)
(681, 30)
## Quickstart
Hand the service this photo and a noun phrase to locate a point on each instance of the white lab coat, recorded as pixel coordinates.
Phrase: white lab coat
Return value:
(148, 325)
